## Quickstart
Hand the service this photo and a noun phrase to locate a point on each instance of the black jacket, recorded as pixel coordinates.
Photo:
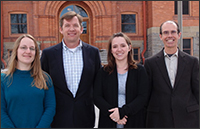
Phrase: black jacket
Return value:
(106, 97)
(72, 112)
(176, 107)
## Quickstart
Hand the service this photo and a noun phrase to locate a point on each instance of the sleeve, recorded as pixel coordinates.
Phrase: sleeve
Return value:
(6, 122)
(142, 95)
(99, 100)
(195, 79)
(49, 106)
(44, 61)
(98, 61)
(148, 70)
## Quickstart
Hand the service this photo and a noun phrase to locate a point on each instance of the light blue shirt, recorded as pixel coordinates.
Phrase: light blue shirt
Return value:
(73, 66)
(121, 92)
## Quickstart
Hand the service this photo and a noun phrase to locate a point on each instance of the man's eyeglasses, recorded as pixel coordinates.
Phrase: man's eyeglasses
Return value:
(25, 48)
(166, 33)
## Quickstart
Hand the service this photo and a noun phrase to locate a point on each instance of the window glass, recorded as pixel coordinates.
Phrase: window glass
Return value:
(185, 7)
(128, 18)
(128, 22)
(80, 11)
(128, 28)
(187, 46)
(18, 23)
(187, 51)
(84, 23)
(136, 54)
(186, 43)
(76, 9)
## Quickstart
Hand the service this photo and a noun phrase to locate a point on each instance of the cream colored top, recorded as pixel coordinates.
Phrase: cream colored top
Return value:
(171, 64)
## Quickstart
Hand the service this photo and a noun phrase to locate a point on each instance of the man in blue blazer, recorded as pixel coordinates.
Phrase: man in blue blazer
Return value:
(174, 81)
(72, 65)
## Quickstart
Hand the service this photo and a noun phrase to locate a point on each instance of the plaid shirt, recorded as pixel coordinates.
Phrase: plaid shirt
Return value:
(73, 66)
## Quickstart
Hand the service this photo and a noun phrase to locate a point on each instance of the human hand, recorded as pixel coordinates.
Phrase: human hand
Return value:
(122, 121)
(115, 114)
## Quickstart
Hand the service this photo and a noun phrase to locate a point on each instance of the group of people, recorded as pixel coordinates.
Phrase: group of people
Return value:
(59, 89)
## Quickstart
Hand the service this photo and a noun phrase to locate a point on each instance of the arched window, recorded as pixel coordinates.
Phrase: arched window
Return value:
(76, 9)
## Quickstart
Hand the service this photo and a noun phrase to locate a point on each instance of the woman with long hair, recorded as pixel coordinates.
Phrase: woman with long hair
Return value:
(27, 92)
(121, 87)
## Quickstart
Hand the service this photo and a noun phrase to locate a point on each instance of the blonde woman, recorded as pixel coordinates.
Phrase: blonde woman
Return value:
(27, 92)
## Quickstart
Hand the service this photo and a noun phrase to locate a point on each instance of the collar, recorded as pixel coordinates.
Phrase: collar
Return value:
(175, 54)
(66, 48)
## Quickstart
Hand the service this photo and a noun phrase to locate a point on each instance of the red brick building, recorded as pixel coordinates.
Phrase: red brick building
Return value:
(140, 20)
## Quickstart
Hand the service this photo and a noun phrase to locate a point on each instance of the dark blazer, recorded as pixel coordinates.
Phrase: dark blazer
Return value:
(79, 111)
(173, 107)
(106, 97)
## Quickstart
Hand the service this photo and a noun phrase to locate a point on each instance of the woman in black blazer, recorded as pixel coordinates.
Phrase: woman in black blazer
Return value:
(121, 87)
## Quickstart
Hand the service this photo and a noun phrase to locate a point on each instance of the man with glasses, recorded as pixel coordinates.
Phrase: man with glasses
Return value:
(174, 81)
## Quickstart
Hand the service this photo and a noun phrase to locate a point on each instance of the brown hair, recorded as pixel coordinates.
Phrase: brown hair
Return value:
(36, 71)
(110, 58)
(69, 15)
(178, 30)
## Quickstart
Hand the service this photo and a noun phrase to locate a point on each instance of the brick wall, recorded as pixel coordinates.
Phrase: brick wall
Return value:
(104, 20)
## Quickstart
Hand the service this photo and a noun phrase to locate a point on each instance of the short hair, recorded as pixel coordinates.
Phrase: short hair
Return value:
(68, 16)
(173, 22)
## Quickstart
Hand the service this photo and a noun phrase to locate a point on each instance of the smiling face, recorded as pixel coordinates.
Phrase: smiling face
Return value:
(170, 36)
(120, 49)
(25, 53)
(71, 31)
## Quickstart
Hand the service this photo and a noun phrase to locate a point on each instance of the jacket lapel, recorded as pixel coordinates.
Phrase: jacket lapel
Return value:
(180, 67)
(162, 67)
(84, 52)
(58, 56)
(113, 77)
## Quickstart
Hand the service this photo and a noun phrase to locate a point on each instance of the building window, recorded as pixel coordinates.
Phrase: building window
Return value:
(136, 54)
(185, 7)
(187, 46)
(18, 23)
(128, 23)
(75, 8)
